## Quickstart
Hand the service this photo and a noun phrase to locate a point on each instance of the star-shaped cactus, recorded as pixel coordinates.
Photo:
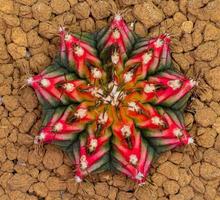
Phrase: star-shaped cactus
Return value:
(112, 100)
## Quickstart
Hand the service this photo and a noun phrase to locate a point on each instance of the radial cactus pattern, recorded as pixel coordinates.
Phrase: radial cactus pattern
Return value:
(112, 100)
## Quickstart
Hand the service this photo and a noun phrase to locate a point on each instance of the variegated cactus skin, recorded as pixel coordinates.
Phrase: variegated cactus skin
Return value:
(112, 100)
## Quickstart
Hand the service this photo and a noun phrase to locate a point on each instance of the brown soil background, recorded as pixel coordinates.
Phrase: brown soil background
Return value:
(28, 43)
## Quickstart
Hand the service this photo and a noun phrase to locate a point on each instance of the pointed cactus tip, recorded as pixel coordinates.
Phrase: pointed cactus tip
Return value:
(118, 17)
(67, 37)
(193, 98)
(78, 179)
(139, 177)
(30, 81)
(193, 83)
(167, 35)
(142, 184)
(132, 25)
(190, 140)
(61, 28)
(39, 138)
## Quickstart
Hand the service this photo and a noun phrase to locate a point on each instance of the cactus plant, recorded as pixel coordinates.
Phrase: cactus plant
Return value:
(112, 100)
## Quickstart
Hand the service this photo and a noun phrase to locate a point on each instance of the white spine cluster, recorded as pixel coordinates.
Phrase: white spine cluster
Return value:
(67, 37)
(157, 121)
(115, 58)
(178, 132)
(126, 131)
(69, 87)
(158, 43)
(83, 162)
(115, 98)
(133, 159)
(128, 76)
(78, 179)
(193, 83)
(61, 29)
(45, 82)
(190, 140)
(118, 17)
(97, 92)
(133, 106)
(139, 176)
(93, 144)
(79, 51)
(116, 34)
(107, 100)
(149, 88)
(146, 57)
(174, 84)
(167, 35)
(30, 81)
(96, 73)
(81, 113)
(39, 138)
(58, 127)
(103, 118)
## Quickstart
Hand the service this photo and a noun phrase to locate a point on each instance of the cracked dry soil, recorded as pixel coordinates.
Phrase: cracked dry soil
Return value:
(28, 43)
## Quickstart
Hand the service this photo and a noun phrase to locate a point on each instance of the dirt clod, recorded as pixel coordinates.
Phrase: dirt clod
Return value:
(148, 14)
(29, 42)
(209, 172)
(169, 170)
(6, 70)
(28, 99)
(201, 116)
(16, 51)
(201, 51)
(211, 32)
(169, 8)
(21, 182)
(40, 189)
(206, 137)
(11, 103)
(53, 158)
(213, 78)
(72, 187)
(187, 26)
(198, 185)
(28, 121)
(102, 189)
(41, 11)
(170, 187)
(7, 6)
(60, 6)
(54, 184)
(19, 37)
(100, 9)
(81, 10)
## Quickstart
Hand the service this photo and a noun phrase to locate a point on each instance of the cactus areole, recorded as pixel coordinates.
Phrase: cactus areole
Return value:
(112, 100)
